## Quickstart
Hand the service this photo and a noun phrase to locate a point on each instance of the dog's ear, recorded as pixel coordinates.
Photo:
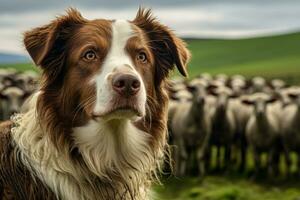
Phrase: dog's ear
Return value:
(169, 50)
(46, 44)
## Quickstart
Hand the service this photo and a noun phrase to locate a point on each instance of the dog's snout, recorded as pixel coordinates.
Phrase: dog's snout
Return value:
(126, 84)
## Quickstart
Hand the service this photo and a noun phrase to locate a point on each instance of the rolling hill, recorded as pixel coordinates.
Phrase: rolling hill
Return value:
(274, 56)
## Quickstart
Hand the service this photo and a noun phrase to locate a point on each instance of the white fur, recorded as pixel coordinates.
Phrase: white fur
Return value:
(116, 59)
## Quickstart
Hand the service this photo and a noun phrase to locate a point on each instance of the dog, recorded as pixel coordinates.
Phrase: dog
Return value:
(96, 128)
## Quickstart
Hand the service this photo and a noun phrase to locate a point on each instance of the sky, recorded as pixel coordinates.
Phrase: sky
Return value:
(188, 18)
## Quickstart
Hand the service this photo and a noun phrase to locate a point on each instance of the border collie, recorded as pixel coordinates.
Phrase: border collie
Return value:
(96, 128)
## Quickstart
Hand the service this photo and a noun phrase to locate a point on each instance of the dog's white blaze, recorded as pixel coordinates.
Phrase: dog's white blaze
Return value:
(116, 59)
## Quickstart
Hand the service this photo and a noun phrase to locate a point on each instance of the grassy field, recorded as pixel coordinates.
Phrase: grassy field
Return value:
(276, 56)
(232, 185)
(271, 57)
(226, 188)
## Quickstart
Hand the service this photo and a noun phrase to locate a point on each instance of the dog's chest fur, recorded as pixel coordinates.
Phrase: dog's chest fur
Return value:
(115, 162)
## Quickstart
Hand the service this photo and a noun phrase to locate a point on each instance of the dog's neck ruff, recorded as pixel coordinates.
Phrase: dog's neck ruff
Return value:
(114, 159)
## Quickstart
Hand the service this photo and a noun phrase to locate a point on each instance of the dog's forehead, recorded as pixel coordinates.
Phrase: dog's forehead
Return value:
(121, 32)
(118, 28)
(121, 28)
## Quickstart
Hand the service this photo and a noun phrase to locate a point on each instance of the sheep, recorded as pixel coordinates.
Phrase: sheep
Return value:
(241, 113)
(238, 84)
(191, 132)
(177, 87)
(27, 81)
(277, 84)
(290, 125)
(223, 124)
(205, 76)
(283, 94)
(222, 77)
(262, 131)
(203, 84)
(181, 96)
(175, 99)
(259, 84)
(11, 100)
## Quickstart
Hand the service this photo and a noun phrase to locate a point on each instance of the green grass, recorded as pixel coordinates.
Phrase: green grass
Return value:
(20, 66)
(233, 185)
(225, 188)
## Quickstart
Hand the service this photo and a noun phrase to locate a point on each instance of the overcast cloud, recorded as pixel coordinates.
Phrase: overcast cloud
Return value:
(189, 18)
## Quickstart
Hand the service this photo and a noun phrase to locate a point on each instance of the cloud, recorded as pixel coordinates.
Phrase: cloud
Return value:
(214, 18)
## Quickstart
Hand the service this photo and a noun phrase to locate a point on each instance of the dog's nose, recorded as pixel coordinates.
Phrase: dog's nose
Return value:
(126, 84)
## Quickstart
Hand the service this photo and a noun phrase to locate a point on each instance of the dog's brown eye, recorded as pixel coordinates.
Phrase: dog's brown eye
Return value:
(142, 57)
(90, 55)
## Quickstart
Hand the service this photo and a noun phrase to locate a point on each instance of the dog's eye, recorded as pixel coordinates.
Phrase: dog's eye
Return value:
(90, 55)
(142, 57)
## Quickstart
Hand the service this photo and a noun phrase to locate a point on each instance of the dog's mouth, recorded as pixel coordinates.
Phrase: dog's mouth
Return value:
(120, 112)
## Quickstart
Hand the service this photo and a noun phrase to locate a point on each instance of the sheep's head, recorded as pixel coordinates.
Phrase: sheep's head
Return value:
(238, 85)
(223, 94)
(259, 101)
(294, 94)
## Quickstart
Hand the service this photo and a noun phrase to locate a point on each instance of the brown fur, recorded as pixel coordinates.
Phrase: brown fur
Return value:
(16, 181)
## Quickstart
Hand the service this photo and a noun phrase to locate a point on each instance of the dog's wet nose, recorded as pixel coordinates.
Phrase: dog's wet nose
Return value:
(126, 84)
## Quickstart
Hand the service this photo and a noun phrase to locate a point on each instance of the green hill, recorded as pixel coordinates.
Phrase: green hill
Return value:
(275, 56)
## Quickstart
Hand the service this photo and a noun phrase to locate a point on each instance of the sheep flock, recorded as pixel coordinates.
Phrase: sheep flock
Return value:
(232, 117)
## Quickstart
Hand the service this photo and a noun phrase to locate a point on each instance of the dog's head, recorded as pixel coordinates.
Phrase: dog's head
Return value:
(102, 69)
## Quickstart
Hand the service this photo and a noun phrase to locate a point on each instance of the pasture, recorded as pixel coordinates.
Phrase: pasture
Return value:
(270, 57)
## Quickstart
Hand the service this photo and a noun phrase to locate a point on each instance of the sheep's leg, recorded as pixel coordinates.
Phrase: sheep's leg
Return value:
(218, 167)
(200, 162)
(273, 159)
(177, 157)
(257, 162)
(203, 150)
(298, 163)
(208, 157)
(243, 154)
(276, 161)
(227, 156)
(288, 161)
(183, 160)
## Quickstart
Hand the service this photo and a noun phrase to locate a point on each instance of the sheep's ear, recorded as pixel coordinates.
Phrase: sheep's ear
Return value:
(174, 97)
(169, 50)
(2, 96)
(211, 89)
(247, 102)
(272, 99)
(293, 96)
(233, 95)
(46, 44)
(191, 88)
